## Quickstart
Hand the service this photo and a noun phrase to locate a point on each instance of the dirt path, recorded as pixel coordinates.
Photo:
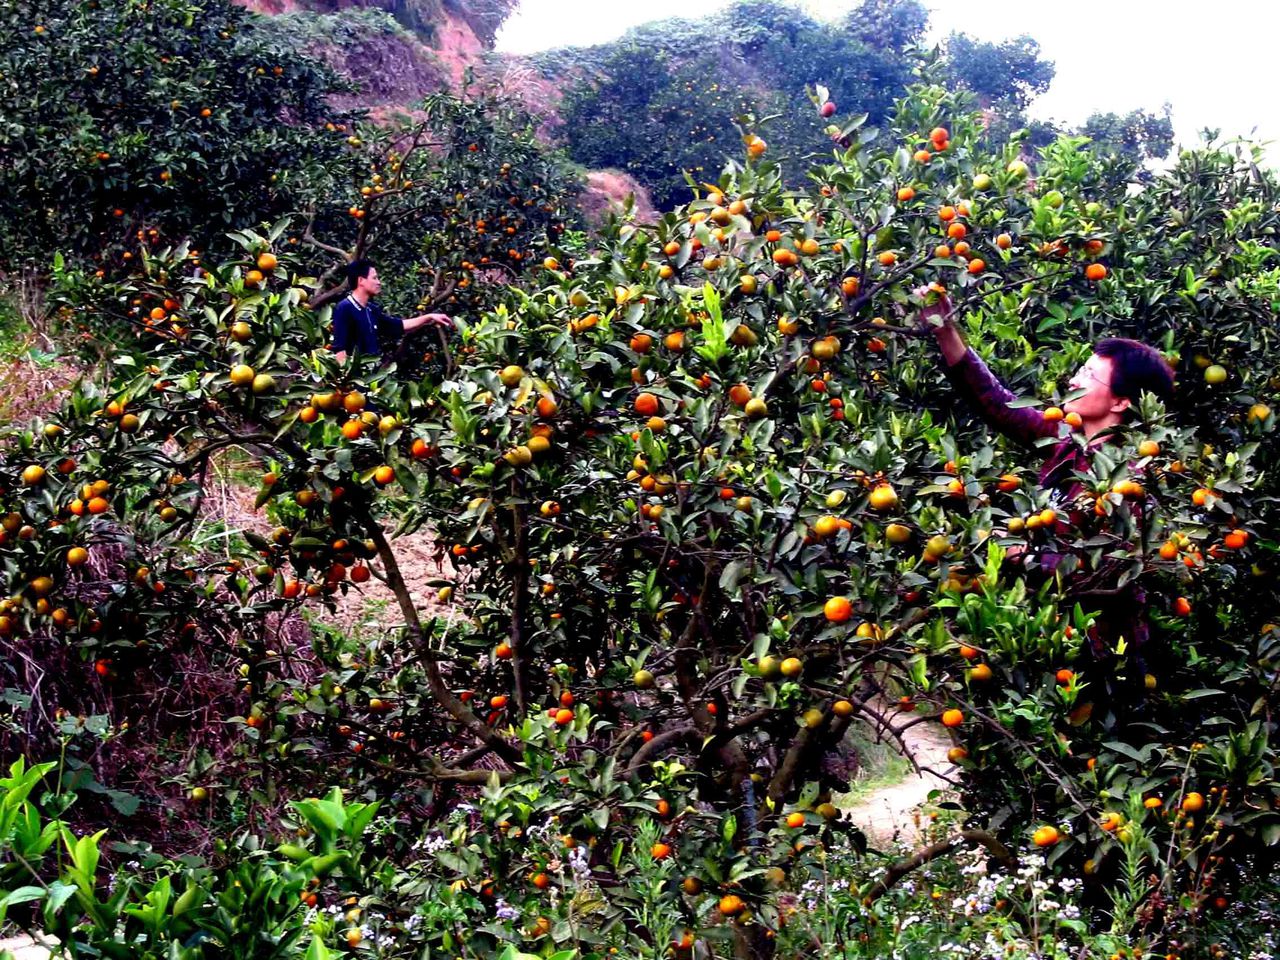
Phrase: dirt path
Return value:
(895, 812)
(25, 948)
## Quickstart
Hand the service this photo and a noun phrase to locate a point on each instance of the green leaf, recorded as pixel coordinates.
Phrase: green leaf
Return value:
(21, 895)
(1119, 746)
(729, 828)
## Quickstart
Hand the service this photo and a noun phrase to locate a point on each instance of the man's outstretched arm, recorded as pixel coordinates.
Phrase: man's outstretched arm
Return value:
(989, 397)
(428, 319)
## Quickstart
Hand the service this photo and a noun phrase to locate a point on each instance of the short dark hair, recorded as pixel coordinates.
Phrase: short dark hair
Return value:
(357, 269)
(1136, 367)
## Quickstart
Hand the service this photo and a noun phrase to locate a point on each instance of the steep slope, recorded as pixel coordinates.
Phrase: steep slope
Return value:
(395, 50)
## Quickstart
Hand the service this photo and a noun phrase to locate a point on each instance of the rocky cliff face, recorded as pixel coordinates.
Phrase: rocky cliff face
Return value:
(414, 48)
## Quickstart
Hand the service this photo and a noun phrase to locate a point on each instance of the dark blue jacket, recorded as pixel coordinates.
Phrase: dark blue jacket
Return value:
(367, 330)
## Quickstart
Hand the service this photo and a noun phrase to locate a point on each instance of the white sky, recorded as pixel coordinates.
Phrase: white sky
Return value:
(1214, 62)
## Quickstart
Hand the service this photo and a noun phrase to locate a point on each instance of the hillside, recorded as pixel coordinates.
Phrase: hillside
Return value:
(658, 102)
(396, 51)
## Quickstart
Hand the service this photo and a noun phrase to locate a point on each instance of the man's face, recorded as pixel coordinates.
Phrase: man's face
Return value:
(370, 284)
(1094, 378)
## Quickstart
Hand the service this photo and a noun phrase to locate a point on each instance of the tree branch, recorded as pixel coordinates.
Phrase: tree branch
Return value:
(924, 855)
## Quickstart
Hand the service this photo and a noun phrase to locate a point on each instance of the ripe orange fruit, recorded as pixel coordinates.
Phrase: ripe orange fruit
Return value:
(888, 258)
(826, 526)
(1193, 803)
(731, 905)
(952, 717)
(353, 428)
(906, 194)
(1053, 414)
(1095, 271)
(850, 286)
(946, 214)
(660, 850)
(837, 610)
(740, 394)
(795, 820)
(897, 533)
(785, 258)
(33, 474)
(980, 673)
(939, 135)
(1236, 539)
(646, 404)
(1046, 836)
(98, 505)
(942, 252)
(503, 651)
(922, 156)
(564, 717)
(641, 343)
(77, 557)
(1148, 448)
(977, 265)
(1064, 676)
(1168, 550)
(384, 475)
(969, 653)
(267, 261)
(883, 497)
(1182, 606)
(957, 231)
(1004, 241)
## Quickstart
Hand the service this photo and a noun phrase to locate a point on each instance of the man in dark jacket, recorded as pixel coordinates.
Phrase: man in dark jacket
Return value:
(361, 326)
(1108, 385)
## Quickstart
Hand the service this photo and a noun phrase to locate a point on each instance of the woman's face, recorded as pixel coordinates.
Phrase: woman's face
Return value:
(1097, 401)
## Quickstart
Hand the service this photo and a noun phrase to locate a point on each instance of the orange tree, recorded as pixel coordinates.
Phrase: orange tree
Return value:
(455, 203)
(171, 118)
(149, 123)
(707, 505)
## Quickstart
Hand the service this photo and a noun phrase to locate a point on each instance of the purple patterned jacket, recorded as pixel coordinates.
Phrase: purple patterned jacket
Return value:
(1122, 611)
